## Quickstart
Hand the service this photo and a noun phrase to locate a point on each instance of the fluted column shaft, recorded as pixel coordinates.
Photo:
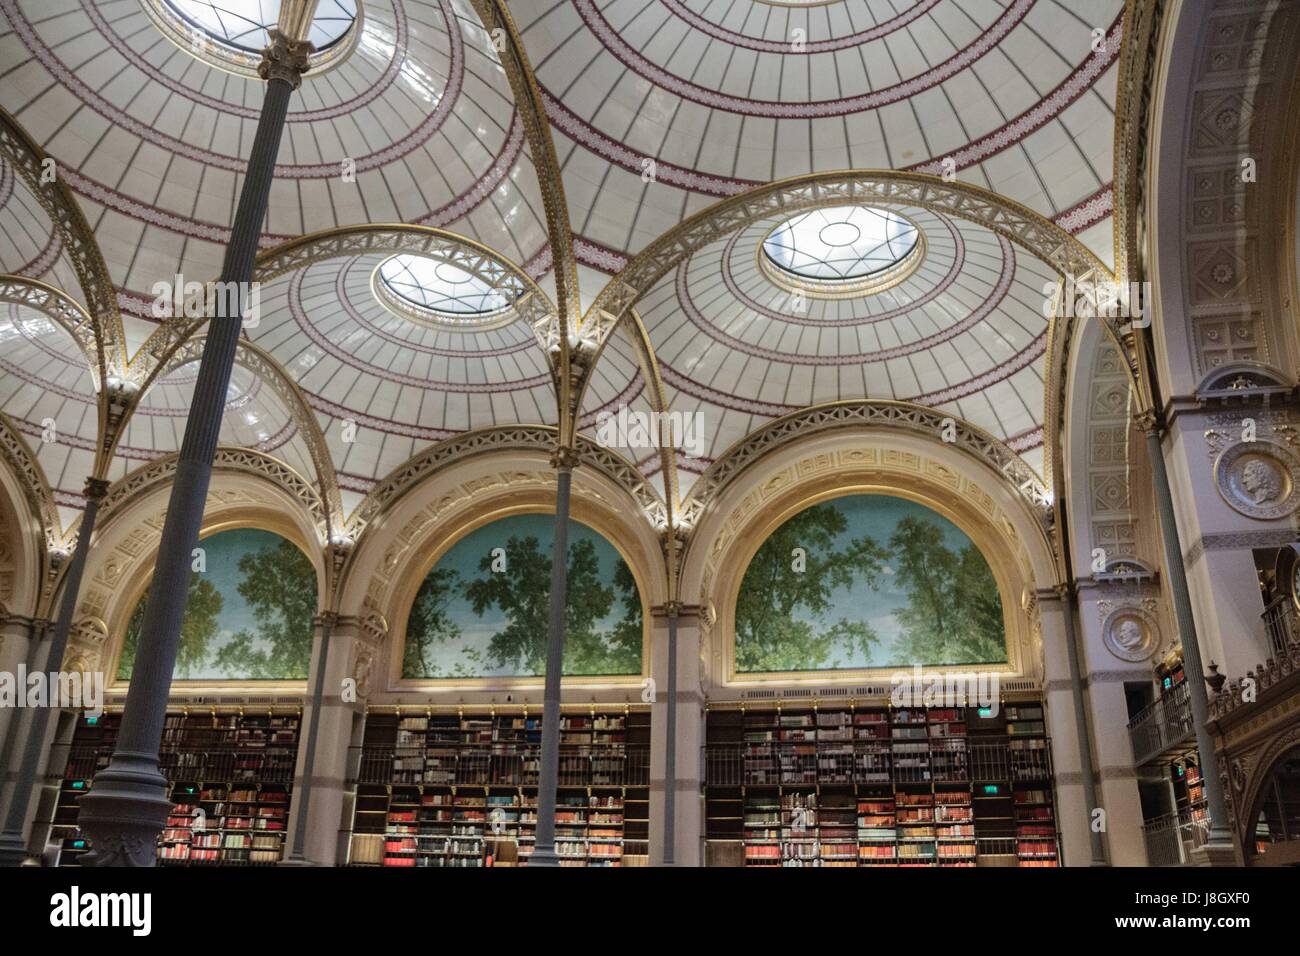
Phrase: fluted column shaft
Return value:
(127, 805)
(1176, 577)
(13, 847)
(548, 778)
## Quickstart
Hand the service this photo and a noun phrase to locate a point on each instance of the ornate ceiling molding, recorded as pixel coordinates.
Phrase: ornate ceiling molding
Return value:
(502, 32)
(244, 460)
(31, 478)
(498, 439)
(267, 370)
(65, 311)
(1014, 222)
(40, 173)
(900, 416)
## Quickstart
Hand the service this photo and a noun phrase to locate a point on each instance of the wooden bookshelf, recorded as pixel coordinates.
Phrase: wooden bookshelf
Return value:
(460, 790)
(879, 786)
(230, 779)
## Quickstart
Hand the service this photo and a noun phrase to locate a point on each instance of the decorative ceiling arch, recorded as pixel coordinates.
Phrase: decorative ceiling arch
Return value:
(499, 24)
(42, 175)
(266, 369)
(502, 438)
(897, 416)
(64, 310)
(36, 489)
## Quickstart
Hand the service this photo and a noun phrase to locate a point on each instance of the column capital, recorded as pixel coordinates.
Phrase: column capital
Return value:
(285, 58)
(564, 458)
(96, 488)
(1148, 422)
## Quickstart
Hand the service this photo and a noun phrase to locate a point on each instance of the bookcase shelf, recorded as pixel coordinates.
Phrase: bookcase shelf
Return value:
(461, 790)
(230, 780)
(880, 786)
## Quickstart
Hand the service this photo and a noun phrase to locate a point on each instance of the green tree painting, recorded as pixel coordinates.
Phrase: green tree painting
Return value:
(884, 583)
(484, 608)
(248, 613)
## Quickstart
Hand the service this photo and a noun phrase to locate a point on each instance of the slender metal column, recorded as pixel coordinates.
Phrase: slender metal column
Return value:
(303, 797)
(670, 751)
(1220, 836)
(13, 848)
(544, 845)
(128, 804)
(1086, 767)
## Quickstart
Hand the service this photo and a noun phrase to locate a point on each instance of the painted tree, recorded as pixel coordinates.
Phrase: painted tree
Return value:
(785, 599)
(203, 605)
(953, 614)
(279, 584)
(430, 623)
(522, 595)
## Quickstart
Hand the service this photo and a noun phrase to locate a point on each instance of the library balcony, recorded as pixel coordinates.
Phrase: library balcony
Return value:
(1163, 727)
(1171, 838)
(1282, 624)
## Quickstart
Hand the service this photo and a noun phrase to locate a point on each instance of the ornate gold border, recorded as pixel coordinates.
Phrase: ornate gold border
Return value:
(402, 595)
(760, 527)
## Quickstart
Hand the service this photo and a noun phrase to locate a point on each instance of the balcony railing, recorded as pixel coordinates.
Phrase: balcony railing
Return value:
(580, 766)
(1163, 726)
(1282, 624)
(874, 762)
(1170, 839)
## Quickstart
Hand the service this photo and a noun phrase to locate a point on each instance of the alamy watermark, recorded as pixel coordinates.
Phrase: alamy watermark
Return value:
(950, 689)
(195, 300)
(1087, 299)
(83, 690)
(641, 430)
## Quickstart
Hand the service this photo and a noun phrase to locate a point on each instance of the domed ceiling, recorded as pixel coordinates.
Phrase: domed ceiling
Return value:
(657, 109)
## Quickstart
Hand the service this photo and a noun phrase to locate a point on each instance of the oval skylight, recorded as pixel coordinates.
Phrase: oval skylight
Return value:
(243, 24)
(841, 244)
(441, 288)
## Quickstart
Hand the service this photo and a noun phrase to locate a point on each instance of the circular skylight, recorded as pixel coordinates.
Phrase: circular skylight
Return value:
(242, 25)
(442, 288)
(841, 244)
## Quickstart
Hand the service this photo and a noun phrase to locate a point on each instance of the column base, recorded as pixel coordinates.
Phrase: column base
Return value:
(543, 856)
(297, 861)
(125, 810)
(1215, 852)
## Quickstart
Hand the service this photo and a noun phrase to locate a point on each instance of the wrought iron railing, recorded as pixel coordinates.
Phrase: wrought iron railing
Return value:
(948, 760)
(1171, 838)
(489, 766)
(1282, 624)
(1165, 724)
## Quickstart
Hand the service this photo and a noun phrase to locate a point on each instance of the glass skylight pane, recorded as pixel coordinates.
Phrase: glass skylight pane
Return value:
(243, 24)
(840, 243)
(440, 287)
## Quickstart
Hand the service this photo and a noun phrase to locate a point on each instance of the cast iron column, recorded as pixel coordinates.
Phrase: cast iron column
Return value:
(670, 753)
(303, 797)
(544, 844)
(1220, 837)
(127, 805)
(13, 848)
(1081, 724)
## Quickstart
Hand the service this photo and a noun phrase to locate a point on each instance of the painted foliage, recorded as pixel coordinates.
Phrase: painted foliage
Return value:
(867, 581)
(248, 615)
(482, 611)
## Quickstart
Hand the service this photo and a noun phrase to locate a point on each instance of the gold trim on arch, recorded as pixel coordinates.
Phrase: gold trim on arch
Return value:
(554, 334)
(759, 527)
(402, 594)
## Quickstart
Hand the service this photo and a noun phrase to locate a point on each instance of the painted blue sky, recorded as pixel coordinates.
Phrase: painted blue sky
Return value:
(464, 557)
